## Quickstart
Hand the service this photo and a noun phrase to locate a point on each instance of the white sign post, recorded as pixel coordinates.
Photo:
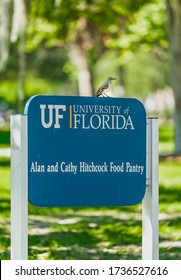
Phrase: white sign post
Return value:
(19, 188)
(150, 211)
(19, 191)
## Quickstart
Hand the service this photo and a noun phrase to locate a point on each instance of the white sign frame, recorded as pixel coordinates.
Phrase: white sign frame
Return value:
(19, 191)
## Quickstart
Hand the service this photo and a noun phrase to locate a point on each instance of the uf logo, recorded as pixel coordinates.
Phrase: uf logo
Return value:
(58, 116)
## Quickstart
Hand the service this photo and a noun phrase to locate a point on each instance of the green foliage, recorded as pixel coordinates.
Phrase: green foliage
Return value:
(48, 72)
(135, 31)
(119, 24)
(8, 91)
(144, 74)
(149, 25)
(33, 85)
(101, 13)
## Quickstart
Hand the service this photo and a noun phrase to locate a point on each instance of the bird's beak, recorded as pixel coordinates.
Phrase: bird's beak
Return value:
(113, 78)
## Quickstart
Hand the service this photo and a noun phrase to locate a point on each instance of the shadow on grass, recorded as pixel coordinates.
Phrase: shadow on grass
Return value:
(4, 206)
(4, 162)
(89, 238)
(97, 254)
(5, 137)
(4, 244)
(170, 253)
(171, 194)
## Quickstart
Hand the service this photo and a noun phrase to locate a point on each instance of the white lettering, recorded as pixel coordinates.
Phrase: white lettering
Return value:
(50, 108)
(35, 167)
(116, 168)
(68, 167)
(86, 117)
(95, 121)
(85, 167)
(58, 116)
(134, 168)
(76, 120)
(129, 122)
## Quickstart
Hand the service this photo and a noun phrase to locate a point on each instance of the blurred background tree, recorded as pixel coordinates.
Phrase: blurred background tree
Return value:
(70, 47)
(174, 26)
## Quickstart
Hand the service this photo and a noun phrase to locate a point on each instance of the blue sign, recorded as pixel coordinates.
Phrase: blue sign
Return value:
(86, 151)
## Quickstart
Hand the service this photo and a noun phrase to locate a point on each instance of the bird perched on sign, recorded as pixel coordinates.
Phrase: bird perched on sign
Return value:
(104, 88)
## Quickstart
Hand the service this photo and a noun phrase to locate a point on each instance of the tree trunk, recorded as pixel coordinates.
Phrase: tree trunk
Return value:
(82, 42)
(174, 13)
(4, 32)
(21, 72)
(18, 32)
(79, 59)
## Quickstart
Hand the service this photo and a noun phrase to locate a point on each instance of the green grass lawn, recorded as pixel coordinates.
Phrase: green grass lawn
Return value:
(98, 232)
